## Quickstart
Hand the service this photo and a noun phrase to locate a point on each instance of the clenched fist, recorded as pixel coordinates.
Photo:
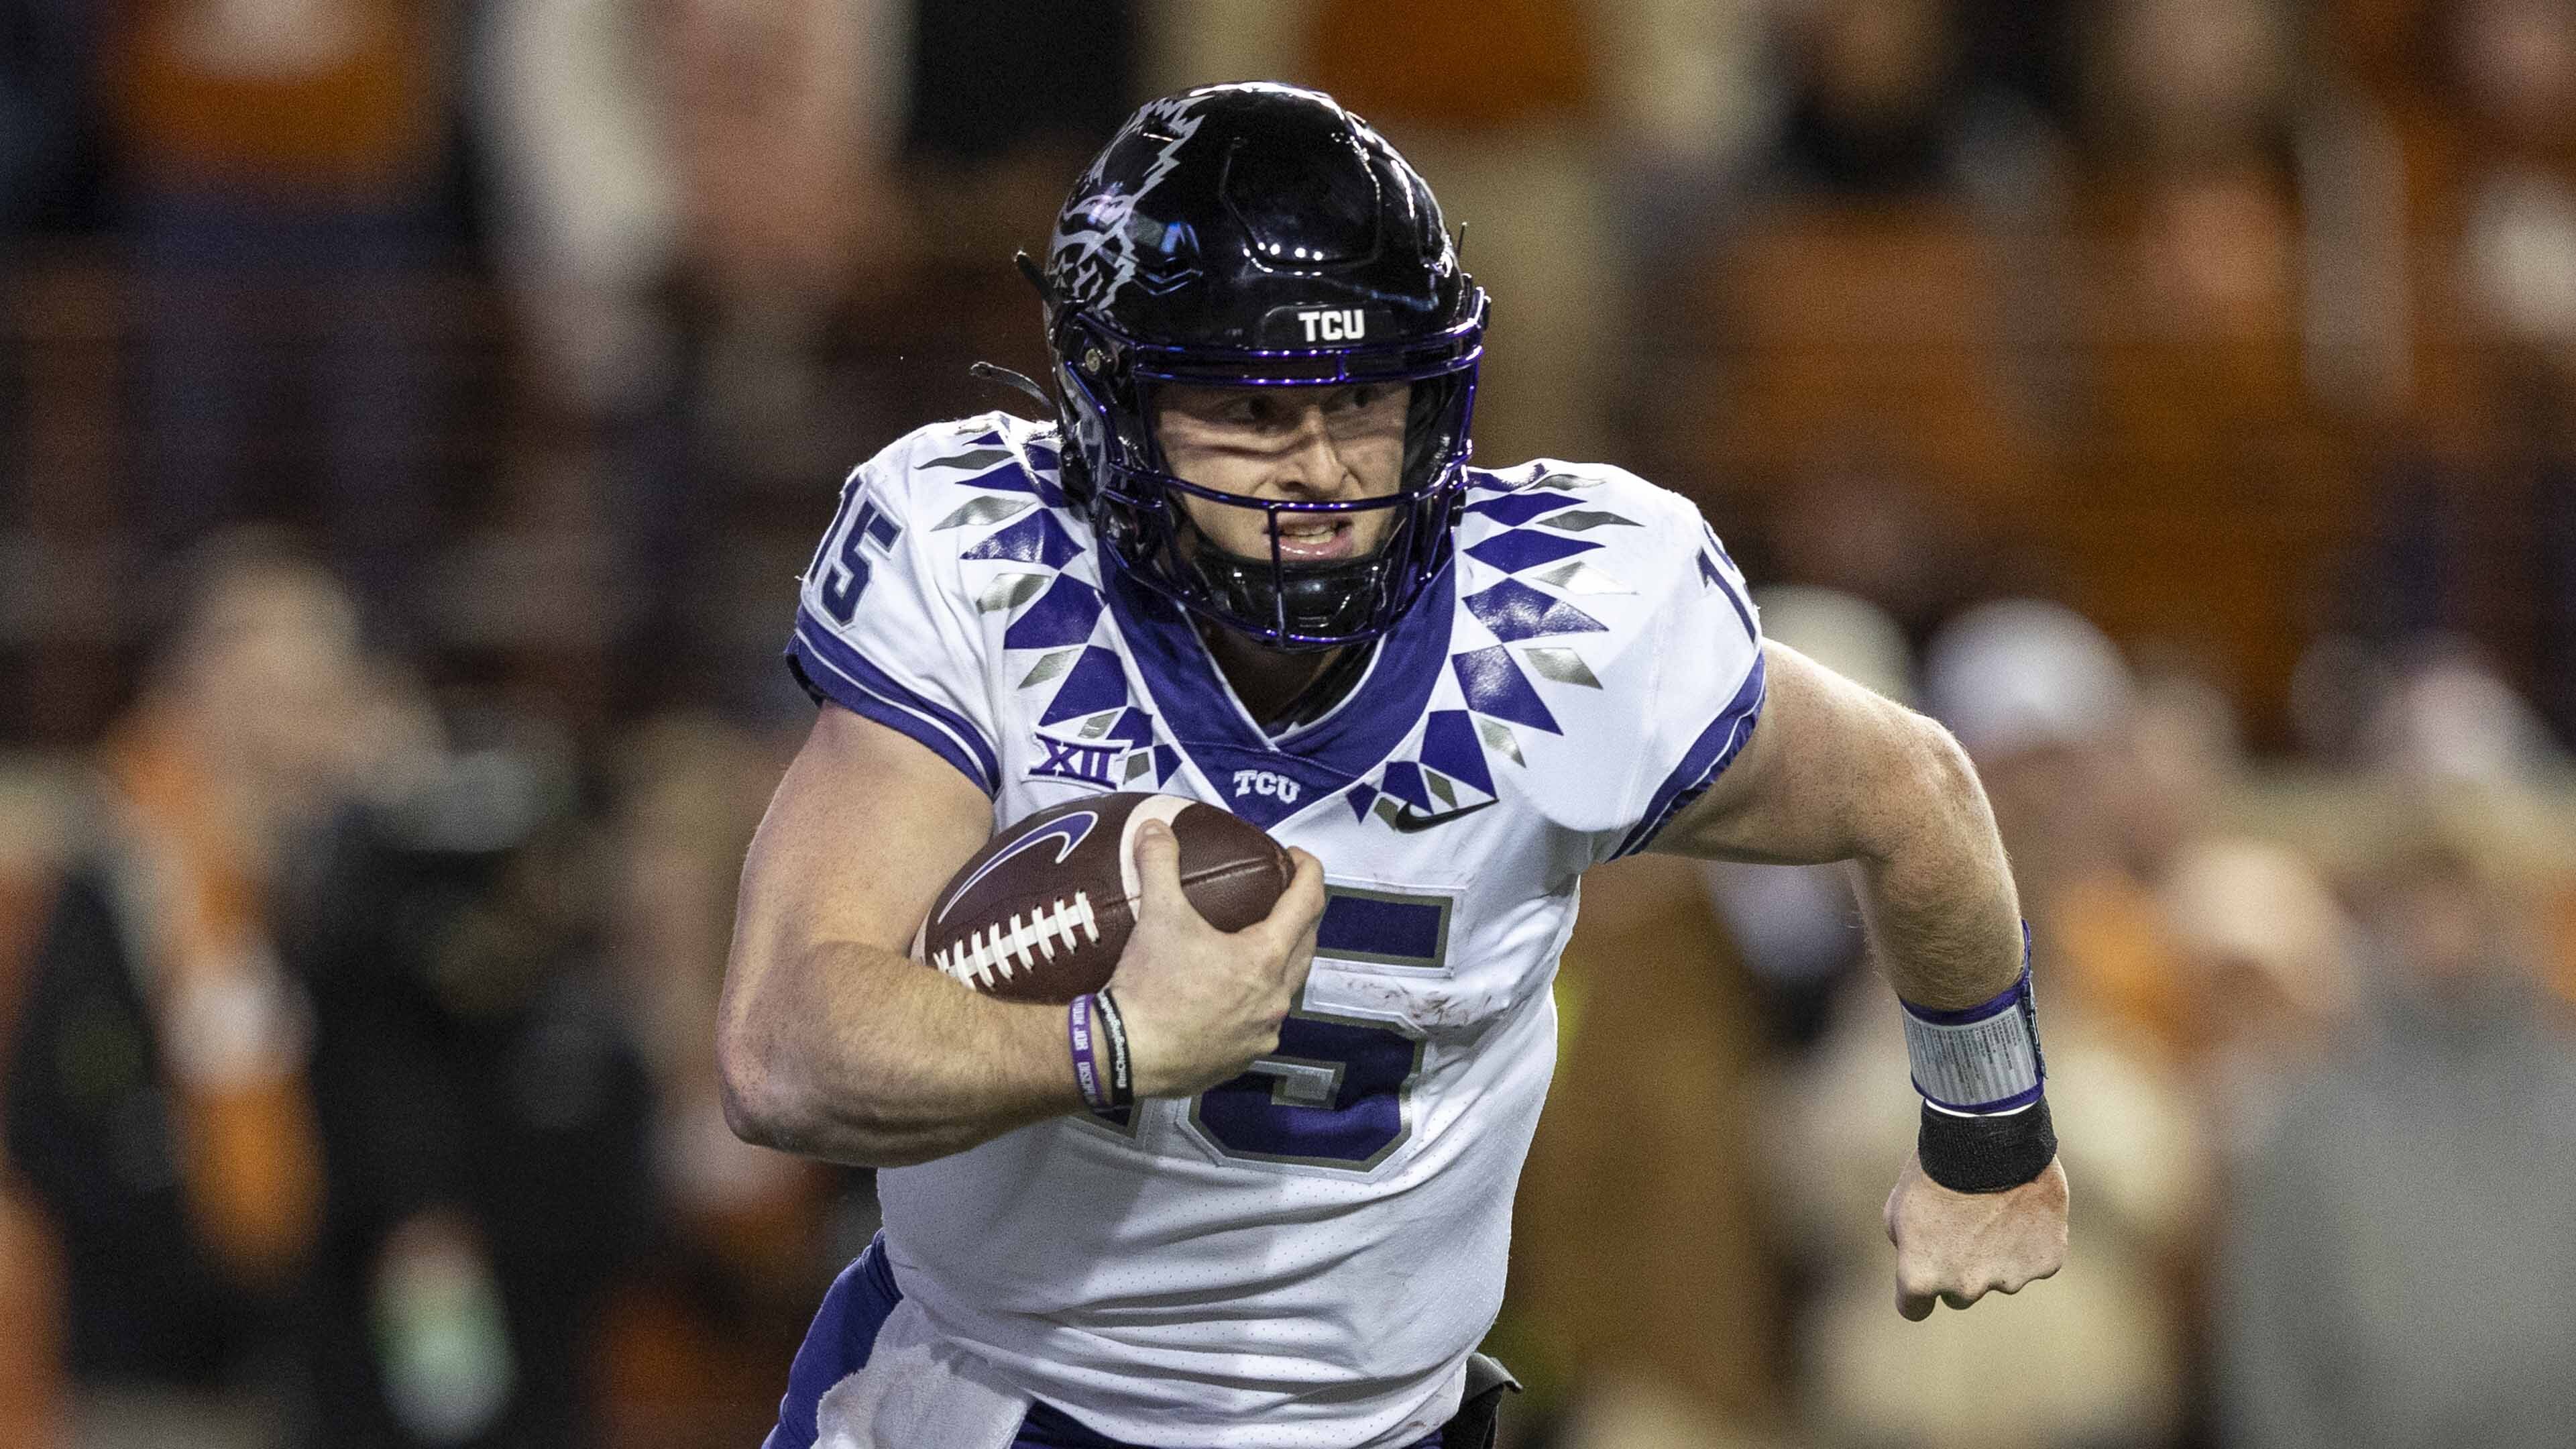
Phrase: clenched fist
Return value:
(1201, 1004)
(1956, 1247)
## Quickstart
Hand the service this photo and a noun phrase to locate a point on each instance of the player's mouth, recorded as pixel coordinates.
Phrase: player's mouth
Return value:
(1314, 540)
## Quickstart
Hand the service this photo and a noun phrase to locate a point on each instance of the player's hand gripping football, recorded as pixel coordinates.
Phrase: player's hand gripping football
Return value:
(1956, 1247)
(1199, 1003)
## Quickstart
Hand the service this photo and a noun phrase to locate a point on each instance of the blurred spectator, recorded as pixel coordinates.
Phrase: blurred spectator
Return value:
(482, 1111)
(702, 217)
(1697, 93)
(1872, 102)
(2474, 528)
(2185, 760)
(692, 794)
(2447, 719)
(740, 157)
(2270, 957)
(1861, 521)
(159, 1102)
(281, 164)
(2096, 784)
(565, 96)
(1500, 104)
(2399, 1266)
(2512, 65)
(701, 1330)
(2039, 698)
(1638, 1264)
(37, 840)
(783, 124)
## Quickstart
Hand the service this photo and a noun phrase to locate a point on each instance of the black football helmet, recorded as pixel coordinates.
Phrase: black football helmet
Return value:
(1258, 235)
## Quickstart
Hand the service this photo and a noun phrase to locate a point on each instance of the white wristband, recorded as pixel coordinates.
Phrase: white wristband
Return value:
(1984, 1059)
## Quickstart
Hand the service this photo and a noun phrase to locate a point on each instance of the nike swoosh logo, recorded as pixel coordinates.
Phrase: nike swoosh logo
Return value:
(1067, 833)
(1406, 820)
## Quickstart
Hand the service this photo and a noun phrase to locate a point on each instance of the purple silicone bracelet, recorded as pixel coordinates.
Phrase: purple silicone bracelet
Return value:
(1082, 1032)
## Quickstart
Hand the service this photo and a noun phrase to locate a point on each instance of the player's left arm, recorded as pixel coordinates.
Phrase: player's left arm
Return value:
(1835, 772)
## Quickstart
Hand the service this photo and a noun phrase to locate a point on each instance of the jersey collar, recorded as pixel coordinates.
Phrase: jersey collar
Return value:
(1267, 780)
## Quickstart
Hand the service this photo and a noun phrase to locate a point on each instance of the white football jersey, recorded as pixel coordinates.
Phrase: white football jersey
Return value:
(1303, 1256)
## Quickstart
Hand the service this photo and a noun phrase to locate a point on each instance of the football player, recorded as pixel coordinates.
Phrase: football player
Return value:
(1247, 562)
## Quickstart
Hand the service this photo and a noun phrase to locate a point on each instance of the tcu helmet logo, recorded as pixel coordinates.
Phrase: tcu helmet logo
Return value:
(1263, 782)
(1337, 325)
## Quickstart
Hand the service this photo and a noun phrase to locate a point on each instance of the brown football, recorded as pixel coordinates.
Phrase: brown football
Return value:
(1042, 912)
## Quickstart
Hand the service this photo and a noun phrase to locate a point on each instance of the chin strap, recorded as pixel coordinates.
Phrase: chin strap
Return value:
(992, 372)
(1021, 381)
(1029, 268)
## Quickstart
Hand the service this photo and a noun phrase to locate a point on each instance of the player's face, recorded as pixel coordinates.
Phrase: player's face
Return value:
(1328, 444)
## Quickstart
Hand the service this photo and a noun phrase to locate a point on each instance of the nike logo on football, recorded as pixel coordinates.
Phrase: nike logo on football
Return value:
(1406, 820)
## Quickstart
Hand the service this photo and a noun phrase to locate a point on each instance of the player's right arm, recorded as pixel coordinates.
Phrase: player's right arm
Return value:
(830, 1040)
(833, 1042)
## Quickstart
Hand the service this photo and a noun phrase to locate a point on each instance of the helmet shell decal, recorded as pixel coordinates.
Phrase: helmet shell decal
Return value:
(1092, 261)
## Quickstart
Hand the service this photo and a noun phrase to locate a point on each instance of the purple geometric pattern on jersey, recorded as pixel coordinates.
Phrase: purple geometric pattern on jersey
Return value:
(1521, 549)
(1063, 616)
(1449, 745)
(1403, 781)
(1320, 760)
(1361, 797)
(1584, 520)
(1515, 611)
(1708, 535)
(1166, 760)
(1495, 685)
(976, 460)
(1520, 506)
(1096, 682)
(1014, 479)
(1036, 539)
(1710, 575)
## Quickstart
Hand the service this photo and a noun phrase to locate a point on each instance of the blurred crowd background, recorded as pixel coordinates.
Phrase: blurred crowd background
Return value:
(414, 414)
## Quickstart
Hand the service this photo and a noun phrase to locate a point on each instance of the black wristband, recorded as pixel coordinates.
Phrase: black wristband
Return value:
(1986, 1154)
(1113, 1035)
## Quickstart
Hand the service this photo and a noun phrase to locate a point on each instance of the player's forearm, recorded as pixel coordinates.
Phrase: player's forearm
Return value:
(1935, 890)
(880, 1062)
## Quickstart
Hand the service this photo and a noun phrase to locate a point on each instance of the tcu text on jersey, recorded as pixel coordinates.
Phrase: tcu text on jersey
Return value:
(1263, 782)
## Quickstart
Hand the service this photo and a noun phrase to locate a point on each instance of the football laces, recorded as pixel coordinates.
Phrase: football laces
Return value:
(1003, 949)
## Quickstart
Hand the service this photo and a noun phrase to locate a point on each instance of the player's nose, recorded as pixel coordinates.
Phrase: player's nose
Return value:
(1313, 466)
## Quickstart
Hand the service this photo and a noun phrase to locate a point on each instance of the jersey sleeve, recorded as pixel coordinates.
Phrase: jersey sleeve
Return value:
(1707, 689)
(882, 631)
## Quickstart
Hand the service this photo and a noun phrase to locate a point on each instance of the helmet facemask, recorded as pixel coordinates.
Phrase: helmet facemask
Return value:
(1107, 389)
